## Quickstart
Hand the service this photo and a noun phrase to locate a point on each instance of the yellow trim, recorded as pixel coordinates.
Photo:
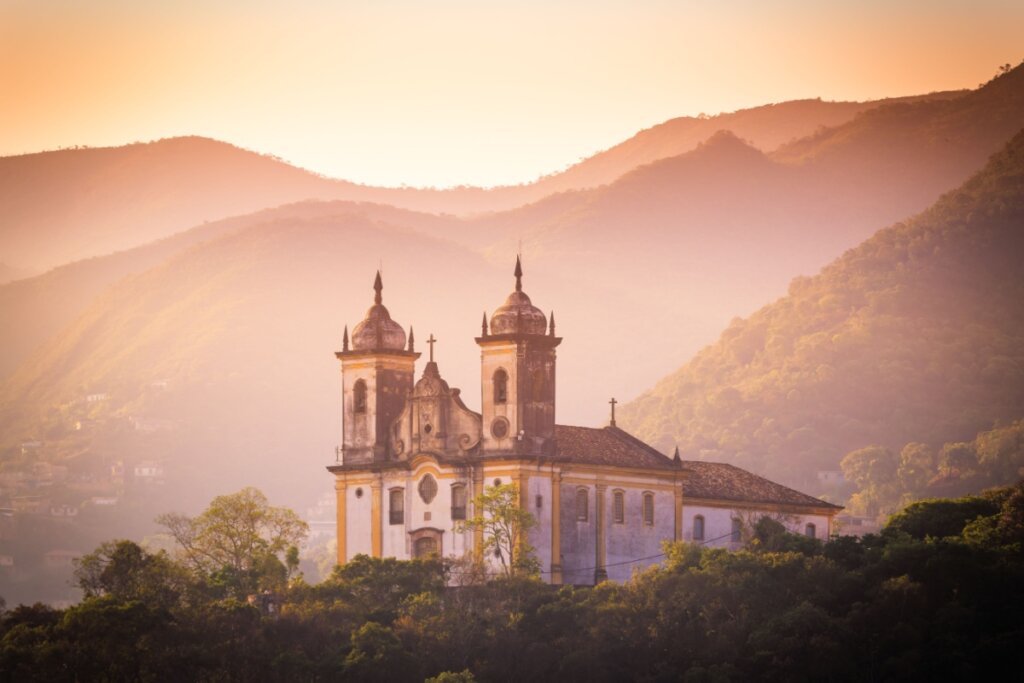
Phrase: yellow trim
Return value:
(599, 569)
(678, 503)
(619, 484)
(478, 533)
(376, 532)
(341, 489)
(771, 507)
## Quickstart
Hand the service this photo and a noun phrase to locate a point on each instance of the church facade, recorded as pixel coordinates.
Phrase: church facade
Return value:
(414, 457)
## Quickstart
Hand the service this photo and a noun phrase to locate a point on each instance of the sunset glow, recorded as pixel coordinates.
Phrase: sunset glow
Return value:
(460, 92)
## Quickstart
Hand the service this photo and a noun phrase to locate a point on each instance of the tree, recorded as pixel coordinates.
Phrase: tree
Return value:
(238, 541)
(959, 457)
(505, 525)
(917, 466)
(126, 571)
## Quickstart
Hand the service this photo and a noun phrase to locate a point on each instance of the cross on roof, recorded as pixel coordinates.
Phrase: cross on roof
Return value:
(612, 404)
(431, 342)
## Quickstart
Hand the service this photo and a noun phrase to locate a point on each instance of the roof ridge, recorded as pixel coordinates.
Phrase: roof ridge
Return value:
(626, 436)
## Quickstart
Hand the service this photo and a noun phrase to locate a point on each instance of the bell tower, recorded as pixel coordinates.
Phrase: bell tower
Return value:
(377, 375)
(517, 376)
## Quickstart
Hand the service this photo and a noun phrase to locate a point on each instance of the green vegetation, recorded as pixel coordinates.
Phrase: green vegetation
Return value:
(887, 480)
(505, 525)
(936, 595)
(914, 336)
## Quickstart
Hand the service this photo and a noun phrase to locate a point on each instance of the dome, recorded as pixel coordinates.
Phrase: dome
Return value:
(518, 315)
(378, 331)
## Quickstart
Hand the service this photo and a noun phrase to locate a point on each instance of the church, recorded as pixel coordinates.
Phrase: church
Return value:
(414, 457)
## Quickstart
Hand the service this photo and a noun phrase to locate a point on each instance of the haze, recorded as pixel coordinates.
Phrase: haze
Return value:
(458, 92)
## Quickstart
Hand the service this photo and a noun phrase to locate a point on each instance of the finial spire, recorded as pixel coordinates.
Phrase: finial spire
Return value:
(551, 326)
(431, 341)
(519, 274)
(344, 340)
(412, 343)
(378, 285)
(612, 404)
(483, 327)
(676, 458)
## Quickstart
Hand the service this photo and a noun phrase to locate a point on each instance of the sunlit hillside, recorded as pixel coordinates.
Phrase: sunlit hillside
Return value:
(915, 335)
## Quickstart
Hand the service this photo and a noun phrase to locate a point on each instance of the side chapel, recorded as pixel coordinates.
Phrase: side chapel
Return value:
(413, 458)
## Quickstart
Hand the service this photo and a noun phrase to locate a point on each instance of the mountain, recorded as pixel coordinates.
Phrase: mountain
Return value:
(228, 346)
(70, 204)
(37, 308)
(661, 259)
(766, 128)
(915, 335)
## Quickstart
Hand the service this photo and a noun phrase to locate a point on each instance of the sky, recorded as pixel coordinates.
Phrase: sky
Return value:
(393, 92)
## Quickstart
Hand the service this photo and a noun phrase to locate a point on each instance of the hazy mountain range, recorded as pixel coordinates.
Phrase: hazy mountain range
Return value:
(915, 335)
(228, 329)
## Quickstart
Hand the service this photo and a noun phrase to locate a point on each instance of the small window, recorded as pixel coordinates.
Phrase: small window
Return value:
(810, 531)
(649, 509)
(497, 482)
(698, 528)
(539, 501)
(396, 506)
(619, 507)
(458, 502)
(359, 396)
(500, 386)
(737, 527)
(581, 505)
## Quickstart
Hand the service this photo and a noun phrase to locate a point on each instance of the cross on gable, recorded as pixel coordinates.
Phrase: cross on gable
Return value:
(612, 404)
(431, 341)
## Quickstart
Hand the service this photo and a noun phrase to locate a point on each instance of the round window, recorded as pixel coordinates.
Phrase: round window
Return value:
(359, 492)
(427, 488)
(428, 429)
(499, 428)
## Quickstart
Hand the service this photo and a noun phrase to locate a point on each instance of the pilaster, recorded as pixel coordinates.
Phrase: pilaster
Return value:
(341, 488)
(376, 515)
(599, 570)
(556, 527)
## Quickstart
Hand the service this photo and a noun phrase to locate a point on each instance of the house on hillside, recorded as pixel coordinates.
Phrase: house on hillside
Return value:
(414, 457)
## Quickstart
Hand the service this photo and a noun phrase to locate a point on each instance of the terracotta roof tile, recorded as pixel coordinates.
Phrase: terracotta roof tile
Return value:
(608, 446)
(721, 481)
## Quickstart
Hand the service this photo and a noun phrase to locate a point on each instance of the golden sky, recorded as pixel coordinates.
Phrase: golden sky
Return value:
(450, 92)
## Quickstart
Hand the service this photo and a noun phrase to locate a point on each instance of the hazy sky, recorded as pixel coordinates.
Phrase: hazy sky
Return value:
(449, 92)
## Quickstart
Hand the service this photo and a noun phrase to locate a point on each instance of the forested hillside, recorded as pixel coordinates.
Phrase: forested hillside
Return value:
(915, 335)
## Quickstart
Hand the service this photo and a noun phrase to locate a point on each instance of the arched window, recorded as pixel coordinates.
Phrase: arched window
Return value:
(698, 528)
(458, 501)
(810, 531)
(396, 506)
(649, 509)
(619, 507)
(540, 385)
(425, 547)
(359, 396)
(737, 527)
(500, 386)
(581, 505)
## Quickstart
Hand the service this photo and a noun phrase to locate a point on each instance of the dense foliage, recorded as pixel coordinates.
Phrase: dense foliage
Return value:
(936, 596)
(886, 479)
(916, 335)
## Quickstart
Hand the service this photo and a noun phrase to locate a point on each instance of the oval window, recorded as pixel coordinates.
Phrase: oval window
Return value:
(427, 488)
